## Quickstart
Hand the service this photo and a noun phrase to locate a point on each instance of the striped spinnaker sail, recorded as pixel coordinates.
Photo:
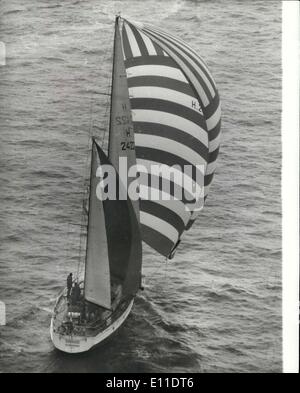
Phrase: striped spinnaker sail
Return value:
(176, 117)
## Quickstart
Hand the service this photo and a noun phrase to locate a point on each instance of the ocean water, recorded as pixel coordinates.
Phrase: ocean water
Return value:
(217, 306)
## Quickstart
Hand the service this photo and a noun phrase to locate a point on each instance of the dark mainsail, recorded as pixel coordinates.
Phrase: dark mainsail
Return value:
(114, 250)
(123, 239)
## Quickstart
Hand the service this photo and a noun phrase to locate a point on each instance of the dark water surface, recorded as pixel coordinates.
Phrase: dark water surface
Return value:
(217, 306)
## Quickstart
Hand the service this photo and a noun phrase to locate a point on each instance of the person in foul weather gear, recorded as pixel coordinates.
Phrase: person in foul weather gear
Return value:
(69, 284)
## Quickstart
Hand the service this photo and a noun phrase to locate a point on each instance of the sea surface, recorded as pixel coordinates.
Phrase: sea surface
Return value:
(217, 306)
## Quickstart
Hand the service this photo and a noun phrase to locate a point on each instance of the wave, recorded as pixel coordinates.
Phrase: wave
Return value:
(50, 174)
(50, 6)
(13, 12)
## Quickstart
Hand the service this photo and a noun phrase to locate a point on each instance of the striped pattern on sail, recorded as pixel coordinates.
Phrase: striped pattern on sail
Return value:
(198, 74)
(175, 112)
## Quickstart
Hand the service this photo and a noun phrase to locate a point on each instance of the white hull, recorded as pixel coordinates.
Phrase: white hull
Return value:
(80, 344)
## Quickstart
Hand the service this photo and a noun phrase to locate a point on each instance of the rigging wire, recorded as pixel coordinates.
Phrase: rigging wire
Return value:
(165, 280)
(166, 270)
(152, 275)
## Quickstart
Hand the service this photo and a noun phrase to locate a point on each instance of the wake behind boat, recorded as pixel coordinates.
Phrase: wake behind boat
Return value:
(165, 112)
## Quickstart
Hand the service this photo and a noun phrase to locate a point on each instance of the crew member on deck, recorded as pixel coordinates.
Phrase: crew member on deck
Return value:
(69, 284)
(76, 293)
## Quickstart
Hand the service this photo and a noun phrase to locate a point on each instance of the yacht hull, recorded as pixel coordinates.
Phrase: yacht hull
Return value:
(79, 344)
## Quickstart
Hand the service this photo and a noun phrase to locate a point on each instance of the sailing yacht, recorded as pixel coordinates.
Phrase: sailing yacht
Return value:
(165, 111)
